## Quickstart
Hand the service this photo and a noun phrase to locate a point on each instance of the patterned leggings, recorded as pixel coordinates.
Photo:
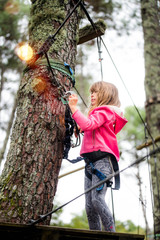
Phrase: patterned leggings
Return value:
(96, 207)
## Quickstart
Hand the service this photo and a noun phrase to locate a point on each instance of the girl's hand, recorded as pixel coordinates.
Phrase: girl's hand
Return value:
(73, 99)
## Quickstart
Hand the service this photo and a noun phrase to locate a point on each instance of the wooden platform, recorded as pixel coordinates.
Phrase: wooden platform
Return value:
(25, 232)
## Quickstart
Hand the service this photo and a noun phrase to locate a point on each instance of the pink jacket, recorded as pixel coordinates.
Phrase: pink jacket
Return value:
(100, 129)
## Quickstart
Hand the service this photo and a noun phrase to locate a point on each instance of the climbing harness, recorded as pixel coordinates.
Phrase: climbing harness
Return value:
(43, 217)
(99, 174)
(95, 156)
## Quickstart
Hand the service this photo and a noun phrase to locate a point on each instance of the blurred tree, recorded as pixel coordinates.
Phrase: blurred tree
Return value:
(150, 11)
(134, 129)
(11, 32)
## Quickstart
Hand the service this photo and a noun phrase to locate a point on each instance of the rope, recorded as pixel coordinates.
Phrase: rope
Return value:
(70, 172)
(43, 217)
(100, 57)
(60, 66)
(113, 206)
(54, 64)
(81, 97)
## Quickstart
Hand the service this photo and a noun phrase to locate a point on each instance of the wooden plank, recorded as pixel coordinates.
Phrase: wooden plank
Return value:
(148, 143)
(26, 232)
(88, 33)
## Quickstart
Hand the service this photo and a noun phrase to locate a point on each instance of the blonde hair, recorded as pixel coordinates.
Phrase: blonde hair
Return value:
(107, 94)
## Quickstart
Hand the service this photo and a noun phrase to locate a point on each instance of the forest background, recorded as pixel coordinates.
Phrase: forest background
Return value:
(126, 45)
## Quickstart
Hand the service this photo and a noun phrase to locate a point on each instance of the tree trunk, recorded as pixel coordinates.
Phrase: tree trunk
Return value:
(29, 179)
(139, 179)
(151, 28)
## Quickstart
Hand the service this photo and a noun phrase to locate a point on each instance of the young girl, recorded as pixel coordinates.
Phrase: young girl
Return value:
(99, 148)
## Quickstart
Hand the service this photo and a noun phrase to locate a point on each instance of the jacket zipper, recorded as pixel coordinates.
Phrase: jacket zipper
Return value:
(93, 138)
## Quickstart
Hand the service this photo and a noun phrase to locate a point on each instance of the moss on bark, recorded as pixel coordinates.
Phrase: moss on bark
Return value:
(29, 179)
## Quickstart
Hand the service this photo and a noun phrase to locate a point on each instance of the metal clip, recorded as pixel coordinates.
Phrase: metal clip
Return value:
(67, 94)
(65, 97)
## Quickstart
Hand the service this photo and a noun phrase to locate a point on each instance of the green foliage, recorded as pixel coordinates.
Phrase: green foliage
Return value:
(129, 227)
(134, 129)
(79, 222)
(11, 33)
(55, 221)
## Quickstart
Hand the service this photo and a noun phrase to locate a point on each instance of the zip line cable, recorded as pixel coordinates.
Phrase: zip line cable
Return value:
(81, 97)
(43, 217)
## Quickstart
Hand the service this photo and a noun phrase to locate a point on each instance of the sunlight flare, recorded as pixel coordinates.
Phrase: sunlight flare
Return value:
(24, 51)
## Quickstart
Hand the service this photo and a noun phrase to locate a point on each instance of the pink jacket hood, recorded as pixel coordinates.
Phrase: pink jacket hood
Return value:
(100, 129)
(120, 120)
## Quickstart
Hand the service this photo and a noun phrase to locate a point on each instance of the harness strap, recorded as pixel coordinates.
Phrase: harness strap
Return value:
(99, 174)
(55, 64)
(116, 169)
(78, 159)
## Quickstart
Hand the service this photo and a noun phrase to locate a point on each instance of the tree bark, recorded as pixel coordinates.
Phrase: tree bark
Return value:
(151, 28)
(29, 179)
(139, 179)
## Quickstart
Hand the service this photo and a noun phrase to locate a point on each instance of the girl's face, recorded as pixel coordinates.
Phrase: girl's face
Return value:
(94, 98)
